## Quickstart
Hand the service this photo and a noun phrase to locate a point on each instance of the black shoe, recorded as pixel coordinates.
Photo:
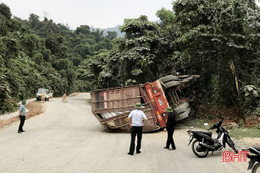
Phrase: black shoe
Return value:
(23, 131)
(130, 153)
(19, 131)
(138, 152)
(173, 148)
(166, 148)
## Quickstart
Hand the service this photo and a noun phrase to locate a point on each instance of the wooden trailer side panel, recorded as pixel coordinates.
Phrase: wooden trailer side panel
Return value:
(112, 106)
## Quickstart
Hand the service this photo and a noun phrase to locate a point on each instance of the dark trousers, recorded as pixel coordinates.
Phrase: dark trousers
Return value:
(135, 131)
(170, 140)
(22, 119)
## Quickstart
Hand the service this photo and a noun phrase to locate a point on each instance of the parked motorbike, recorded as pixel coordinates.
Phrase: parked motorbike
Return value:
(254, 157)
(204, 142)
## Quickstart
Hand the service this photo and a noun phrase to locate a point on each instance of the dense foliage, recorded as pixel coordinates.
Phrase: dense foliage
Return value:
(220, 41)
(36, 53)
(216, 39)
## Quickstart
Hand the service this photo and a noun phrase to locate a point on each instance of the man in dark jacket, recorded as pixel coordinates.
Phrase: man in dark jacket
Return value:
(171, 121)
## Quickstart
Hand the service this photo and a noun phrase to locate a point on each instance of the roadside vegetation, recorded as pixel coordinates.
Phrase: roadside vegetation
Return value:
(235, 130)
(36, 53)
(216, 39)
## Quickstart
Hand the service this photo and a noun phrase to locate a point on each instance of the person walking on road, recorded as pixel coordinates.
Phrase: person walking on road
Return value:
(64, 97)
(43, 97)
(137, 119)
(171, 121)
(22, 116)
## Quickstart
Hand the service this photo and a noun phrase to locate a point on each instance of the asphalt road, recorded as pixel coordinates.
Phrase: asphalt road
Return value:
(67, 138)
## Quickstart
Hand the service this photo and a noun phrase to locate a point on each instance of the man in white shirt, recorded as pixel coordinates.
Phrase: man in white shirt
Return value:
(137, 118)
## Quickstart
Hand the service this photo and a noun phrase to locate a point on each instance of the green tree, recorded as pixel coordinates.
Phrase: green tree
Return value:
(34, 20)
(56, 45)
(5, 11)
(3, 26)
(211, 35)
(83, 30)
(111, 35)
(166, 17)
(31, 43)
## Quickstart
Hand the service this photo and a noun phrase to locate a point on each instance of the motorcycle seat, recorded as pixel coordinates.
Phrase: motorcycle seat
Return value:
(254, 150)
(206, 133)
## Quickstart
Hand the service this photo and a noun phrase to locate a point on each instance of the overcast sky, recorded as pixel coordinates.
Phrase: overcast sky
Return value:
(97, 13)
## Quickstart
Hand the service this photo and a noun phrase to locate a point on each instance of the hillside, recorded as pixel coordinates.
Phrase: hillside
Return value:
(112, 29)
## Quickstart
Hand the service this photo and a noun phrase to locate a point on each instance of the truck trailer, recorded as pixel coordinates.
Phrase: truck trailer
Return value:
(111, 106)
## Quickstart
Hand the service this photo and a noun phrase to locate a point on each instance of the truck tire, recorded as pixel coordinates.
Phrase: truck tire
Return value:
(182, 107)
(169, 78)
(183, 115)
(172, 84)
(184, 76)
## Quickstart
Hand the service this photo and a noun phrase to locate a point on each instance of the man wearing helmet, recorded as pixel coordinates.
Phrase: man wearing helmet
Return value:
(137, 119)
(171, 121)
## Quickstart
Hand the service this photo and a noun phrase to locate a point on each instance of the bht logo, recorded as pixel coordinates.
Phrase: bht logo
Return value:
(231, 156)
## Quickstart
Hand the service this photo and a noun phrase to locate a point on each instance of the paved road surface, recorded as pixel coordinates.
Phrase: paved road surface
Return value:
(67, 138)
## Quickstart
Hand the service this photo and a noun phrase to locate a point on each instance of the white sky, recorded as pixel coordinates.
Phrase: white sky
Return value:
(97, 13)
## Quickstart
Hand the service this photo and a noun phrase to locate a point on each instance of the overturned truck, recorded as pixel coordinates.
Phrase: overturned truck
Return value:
(111, 106)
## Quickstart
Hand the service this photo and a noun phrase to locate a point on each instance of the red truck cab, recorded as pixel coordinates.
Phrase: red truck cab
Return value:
(159, 102)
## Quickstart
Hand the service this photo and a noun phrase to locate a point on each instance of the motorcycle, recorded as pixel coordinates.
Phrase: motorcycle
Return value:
(254, 157)
(204, 142)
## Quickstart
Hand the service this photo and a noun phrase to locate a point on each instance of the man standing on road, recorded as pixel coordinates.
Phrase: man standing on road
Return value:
(22, 116)
(137, 118)
(171, 121)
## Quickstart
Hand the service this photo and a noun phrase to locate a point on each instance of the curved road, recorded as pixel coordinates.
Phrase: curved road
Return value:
(67, 138)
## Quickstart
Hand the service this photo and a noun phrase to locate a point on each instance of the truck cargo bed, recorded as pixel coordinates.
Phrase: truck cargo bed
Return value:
(112, 106)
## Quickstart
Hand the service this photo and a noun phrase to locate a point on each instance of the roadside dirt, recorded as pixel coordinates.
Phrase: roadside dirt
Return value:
(230, 115)
(67, 138)
(33, 109)
(254, 142)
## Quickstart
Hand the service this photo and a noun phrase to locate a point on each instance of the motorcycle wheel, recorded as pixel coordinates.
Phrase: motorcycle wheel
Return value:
(232, 144)
(199, 150)
(256, 168)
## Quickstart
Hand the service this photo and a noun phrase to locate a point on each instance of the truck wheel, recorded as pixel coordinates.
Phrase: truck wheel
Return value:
(169, 78)
(171, 84)
(183, 115)
(182, 107)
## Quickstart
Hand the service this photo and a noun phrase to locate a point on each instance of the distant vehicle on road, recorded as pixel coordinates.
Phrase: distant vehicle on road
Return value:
(47, 94)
